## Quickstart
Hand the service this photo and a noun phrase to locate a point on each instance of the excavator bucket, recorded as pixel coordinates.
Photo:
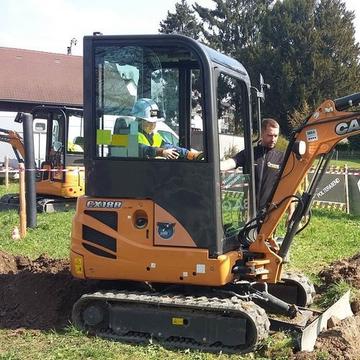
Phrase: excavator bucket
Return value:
(308, 330)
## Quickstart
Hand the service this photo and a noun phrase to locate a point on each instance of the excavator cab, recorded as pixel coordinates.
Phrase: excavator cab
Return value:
(186, 80)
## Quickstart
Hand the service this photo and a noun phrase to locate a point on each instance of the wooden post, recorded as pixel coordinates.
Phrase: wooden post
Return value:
(6, 161)
(22, 200)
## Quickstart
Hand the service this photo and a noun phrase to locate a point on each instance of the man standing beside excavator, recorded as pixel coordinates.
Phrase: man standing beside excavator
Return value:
(267, 161)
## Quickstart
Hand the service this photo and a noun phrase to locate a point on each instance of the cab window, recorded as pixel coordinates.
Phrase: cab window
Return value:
(232, 100)
(144, 101)
(75, 134)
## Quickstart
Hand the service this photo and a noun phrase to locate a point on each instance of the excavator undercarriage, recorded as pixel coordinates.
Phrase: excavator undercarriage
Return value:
(214, 320)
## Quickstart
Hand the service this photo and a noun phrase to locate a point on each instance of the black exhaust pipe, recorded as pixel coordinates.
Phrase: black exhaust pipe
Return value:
(30, 169)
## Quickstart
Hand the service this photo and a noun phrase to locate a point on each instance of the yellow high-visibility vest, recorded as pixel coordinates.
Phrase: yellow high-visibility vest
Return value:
(157, 140)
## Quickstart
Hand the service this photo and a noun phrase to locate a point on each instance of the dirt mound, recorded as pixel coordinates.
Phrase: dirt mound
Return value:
(7, 263)
(37, 294)
(348, 270)
(339, 342)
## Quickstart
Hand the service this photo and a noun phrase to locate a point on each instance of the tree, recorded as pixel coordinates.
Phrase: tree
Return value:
(297, 117)
(183, 21)
(309, 54)
(305, 49)
(338, 53)
(288, 47)
(354, 142)
(233, 28)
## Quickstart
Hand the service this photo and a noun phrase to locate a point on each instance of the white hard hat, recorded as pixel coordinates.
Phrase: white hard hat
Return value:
(146, 109)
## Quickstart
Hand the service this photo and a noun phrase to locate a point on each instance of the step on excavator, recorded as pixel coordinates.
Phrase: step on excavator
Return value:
(192, 262)
(60, 176)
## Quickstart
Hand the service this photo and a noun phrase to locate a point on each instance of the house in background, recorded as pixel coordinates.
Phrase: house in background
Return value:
(29, 78)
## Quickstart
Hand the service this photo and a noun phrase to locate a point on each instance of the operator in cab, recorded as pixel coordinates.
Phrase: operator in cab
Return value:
(151, 143)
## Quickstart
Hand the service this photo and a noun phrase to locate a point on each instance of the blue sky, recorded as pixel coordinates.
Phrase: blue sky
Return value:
(50, 25)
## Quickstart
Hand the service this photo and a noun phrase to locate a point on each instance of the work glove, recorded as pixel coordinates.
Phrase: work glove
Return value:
(193, 154)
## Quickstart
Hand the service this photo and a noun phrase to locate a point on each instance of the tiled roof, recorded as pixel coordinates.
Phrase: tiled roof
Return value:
(36, 77)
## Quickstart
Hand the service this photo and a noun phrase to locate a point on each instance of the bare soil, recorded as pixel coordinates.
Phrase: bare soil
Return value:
(39, 294)
(342, 340)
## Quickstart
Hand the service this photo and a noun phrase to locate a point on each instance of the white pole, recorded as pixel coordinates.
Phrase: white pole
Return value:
(347, 189)
(6, 161)
(22, 200)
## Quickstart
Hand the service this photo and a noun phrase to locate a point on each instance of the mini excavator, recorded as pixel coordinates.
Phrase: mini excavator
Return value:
(60, 177)
(205, 267)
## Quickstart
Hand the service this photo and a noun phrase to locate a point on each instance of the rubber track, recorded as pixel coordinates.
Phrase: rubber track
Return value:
(237, 306)
(304, 281)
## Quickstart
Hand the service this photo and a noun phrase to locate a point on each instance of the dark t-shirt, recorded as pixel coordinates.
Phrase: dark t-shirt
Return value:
(267, 166)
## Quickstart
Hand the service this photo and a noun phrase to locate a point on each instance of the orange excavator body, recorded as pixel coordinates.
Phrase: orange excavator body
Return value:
(180, 224)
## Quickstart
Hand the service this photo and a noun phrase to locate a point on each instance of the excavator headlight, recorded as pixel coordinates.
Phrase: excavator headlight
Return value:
(299, 148)
(140, 219)
(140, 222)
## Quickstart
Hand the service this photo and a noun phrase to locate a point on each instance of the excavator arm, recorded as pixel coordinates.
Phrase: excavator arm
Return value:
(318, 136)
(14, 139)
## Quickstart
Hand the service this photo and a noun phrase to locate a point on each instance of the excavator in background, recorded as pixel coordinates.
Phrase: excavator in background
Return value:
(60, 176)
(201, 264)
(13, 138)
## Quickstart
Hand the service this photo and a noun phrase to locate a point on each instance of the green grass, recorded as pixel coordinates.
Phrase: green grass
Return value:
(73, 345)
(351, 164)
(330, 236)
(13, 188)
(51, 235)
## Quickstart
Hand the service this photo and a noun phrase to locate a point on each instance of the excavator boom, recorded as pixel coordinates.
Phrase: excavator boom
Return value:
(318, 136)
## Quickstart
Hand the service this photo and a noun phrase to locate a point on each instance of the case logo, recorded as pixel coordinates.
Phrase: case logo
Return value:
(347, 127)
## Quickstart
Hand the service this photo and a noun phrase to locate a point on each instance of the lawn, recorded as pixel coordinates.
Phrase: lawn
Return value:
(330, 236)
(351, 164)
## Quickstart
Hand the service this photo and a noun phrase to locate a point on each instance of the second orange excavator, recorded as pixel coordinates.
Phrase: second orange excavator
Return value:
(60, 175)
